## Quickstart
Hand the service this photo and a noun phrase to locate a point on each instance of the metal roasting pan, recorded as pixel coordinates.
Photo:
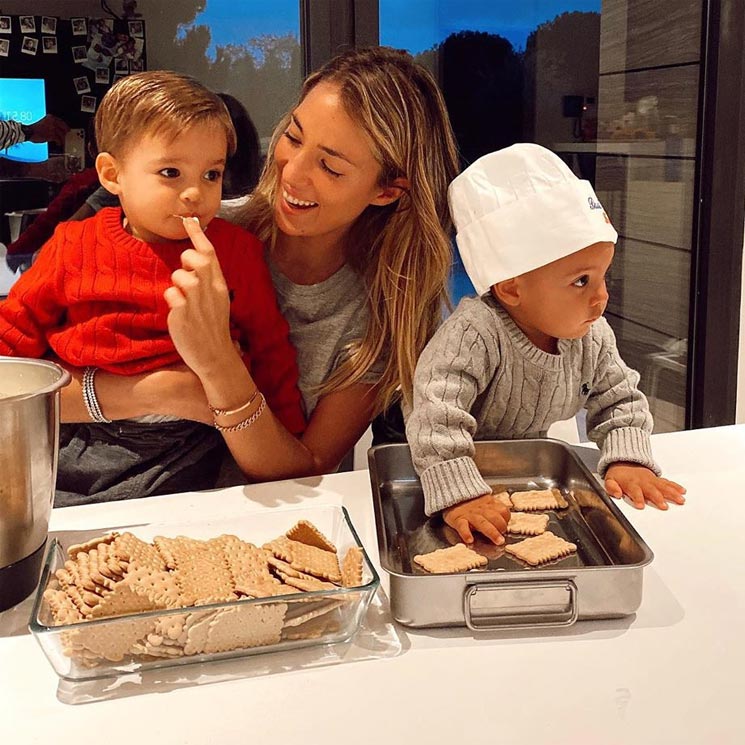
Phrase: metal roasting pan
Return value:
(602, 580)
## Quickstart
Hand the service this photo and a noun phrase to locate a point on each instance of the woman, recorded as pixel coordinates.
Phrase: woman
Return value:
(352, 205)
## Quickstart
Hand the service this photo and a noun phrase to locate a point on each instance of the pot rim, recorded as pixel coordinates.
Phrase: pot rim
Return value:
(63, 379)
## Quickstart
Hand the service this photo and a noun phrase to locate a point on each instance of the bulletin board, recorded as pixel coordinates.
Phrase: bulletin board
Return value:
(78, 58)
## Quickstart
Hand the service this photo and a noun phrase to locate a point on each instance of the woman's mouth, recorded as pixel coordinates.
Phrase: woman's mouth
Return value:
(298, 204)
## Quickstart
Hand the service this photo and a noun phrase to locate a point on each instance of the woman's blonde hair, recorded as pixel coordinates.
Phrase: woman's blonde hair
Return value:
(401, 250)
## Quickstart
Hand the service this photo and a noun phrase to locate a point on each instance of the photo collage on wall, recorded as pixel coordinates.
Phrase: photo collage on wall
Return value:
(95, 52)
(107, 55)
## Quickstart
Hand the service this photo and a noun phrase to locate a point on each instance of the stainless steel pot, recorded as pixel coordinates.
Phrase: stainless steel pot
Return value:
(29, 443)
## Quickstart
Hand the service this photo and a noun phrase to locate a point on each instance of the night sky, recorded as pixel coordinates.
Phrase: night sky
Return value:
(415, 25)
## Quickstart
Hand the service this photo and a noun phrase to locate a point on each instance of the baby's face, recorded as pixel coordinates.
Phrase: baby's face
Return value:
(562, 299)
(163, 179)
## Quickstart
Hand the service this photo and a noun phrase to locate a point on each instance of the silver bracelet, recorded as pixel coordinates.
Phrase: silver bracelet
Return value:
(89, 396)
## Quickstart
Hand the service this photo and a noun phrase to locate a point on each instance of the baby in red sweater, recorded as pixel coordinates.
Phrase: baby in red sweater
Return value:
(94, 296)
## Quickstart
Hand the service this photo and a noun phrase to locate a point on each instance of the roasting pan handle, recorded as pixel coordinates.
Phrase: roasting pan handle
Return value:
(520, 605)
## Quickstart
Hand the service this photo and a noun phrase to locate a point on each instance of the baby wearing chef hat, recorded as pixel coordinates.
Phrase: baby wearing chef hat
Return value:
(533, 348)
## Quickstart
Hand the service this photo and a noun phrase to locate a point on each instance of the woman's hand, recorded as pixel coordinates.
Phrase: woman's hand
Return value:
(199, 304)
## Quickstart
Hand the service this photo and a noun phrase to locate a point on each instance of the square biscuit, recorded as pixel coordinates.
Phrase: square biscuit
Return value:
(543, 499)
(525, 523)
(541, 548)
(458, 558)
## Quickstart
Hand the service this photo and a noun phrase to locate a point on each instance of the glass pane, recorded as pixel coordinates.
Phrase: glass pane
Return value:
(250, 49)
(611, 86)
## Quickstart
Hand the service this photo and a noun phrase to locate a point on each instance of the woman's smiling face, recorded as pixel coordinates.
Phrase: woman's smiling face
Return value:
(327, 174)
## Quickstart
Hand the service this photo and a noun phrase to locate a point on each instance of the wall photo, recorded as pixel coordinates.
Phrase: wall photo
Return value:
(75, 58)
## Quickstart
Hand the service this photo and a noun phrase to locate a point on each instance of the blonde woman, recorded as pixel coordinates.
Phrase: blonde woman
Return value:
(352, 207)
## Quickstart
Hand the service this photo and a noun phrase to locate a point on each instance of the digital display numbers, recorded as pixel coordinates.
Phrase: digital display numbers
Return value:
(24, 117)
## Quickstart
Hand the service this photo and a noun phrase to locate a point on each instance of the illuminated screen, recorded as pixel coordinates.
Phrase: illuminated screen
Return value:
(23, 100)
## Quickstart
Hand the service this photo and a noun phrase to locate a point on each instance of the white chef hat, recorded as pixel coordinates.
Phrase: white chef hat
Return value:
(521, 208)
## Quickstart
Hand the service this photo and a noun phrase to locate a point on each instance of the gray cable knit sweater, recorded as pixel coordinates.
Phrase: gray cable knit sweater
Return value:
(481, 377)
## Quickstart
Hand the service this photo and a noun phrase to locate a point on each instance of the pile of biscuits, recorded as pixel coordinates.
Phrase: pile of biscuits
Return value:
(543, 545)
(120, 575)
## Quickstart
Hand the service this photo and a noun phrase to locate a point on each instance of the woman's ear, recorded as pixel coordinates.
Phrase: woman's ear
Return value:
(108, 172)
(390, 193)
(507, 292)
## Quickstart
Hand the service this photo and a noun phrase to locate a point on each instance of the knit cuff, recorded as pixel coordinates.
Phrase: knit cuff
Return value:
(629, 444)
(451, 481)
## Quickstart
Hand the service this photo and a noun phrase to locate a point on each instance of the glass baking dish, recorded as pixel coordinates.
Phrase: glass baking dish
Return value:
(246, 626)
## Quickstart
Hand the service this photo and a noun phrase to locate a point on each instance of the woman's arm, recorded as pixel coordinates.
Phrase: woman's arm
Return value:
(265, 450)
(174, 391)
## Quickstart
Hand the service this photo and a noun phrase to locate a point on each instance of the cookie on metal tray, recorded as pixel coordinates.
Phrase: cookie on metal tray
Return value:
(542, 548)
(504, 498)
(458, 558)
(523, 523)
(543, 499)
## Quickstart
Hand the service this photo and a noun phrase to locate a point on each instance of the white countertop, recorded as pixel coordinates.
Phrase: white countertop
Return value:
(673, 673)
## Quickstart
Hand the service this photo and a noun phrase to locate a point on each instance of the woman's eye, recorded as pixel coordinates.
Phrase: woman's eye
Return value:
(294, 140)
(329, 170)
(581, 281)
(213, 175)
(170, 172)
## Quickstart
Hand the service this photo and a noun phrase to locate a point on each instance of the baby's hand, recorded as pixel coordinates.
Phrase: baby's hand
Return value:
(640, 484)
(485, 514)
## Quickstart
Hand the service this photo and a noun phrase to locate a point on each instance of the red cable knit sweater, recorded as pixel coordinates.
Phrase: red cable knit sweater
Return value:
(94, 296)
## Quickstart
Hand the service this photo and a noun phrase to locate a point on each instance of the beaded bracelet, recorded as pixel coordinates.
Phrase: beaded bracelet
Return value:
(227, 412)
(247, 422)
(89, 396)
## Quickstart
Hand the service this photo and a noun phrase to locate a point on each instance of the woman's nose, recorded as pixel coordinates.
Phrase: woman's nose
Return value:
(296, 170)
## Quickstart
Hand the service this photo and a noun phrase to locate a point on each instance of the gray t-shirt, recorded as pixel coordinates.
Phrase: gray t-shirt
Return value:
(325, 319)
(480, 377)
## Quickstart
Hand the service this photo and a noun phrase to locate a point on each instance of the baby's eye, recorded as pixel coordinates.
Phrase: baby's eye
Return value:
(170, 172)
(581, 281)
(213, 175)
